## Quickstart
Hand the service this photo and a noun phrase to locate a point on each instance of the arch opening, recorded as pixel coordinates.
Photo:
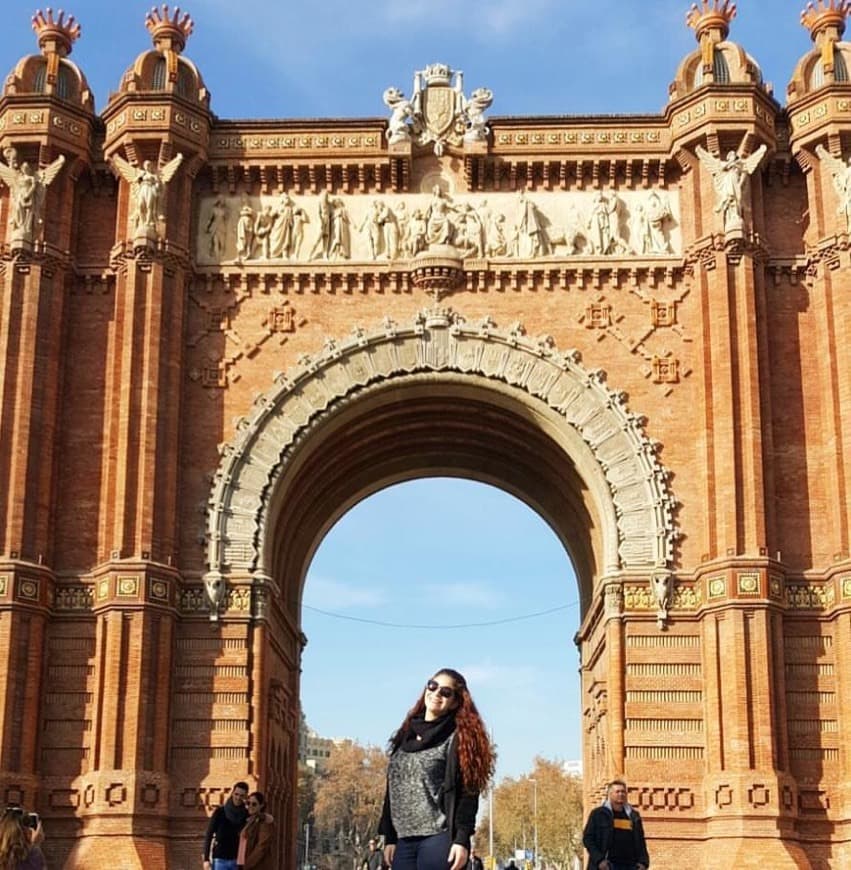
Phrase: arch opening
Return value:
(432, 573)
(434, 398)
(468, 401)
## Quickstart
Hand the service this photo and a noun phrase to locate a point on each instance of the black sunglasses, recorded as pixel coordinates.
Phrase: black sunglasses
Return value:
(443, 691)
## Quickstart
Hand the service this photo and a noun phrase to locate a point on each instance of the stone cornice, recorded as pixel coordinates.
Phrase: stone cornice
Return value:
(163, 253)
(146, 116)
(825, 113)
(47, 120)
(555, 273)
(22, 256)
(732, 109)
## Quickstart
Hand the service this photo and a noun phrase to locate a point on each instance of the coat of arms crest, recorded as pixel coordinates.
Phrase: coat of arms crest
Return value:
(438, 112)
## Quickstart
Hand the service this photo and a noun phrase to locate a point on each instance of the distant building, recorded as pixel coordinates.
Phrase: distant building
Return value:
(573, 768)
(313, 750)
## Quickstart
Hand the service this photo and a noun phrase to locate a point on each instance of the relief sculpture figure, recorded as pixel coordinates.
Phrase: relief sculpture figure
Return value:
(440, 228)
(263, 231)
(27, 187)
(281, 242)
(341, 244)
(322, 245)
(403, 220)
(493, 230)
(245, 233)
(729, 177)
(658, 217)
(300, 218)
(530, 239)
(382, 231)
(372, 228)
(603, 224)
(417, 232)
(470, 238)
(216, 228)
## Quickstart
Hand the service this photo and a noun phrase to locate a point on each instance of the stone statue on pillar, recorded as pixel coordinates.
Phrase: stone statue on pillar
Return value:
(27, 187)
(840, 173)
(146, 188)
(662, 586)
(729, 177)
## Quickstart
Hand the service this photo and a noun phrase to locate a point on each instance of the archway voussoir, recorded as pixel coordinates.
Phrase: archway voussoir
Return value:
(438, 344)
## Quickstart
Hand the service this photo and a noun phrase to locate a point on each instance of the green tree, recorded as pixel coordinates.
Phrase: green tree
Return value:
(349, 797)
(559, 815)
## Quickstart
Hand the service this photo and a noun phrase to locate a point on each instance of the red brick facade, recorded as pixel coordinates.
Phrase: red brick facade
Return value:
(183, 415)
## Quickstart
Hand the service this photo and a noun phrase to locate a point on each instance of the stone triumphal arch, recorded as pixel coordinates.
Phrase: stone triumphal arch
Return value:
(217, 336)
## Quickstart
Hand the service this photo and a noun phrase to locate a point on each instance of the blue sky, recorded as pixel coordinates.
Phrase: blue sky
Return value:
(443, 553)
(266, 59)
(432, 552)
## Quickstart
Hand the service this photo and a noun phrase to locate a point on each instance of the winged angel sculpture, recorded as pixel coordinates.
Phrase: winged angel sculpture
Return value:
(27, 187)
(146, 189)
(729, 177)
(840, 172)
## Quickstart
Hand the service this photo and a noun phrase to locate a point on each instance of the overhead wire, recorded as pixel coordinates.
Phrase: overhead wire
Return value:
(443, 627)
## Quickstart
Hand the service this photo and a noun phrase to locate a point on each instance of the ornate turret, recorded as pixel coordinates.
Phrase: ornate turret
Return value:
(55, 36)
(711, 21)
(169, 34)
(51, 72)
(826, 20)
(828, 61)
(717, 61)
(163, 68)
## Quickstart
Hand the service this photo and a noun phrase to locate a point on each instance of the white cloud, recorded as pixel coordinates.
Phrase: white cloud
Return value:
(335, 595)
(473, 595)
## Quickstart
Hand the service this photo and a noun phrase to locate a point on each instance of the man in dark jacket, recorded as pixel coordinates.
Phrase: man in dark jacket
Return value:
(374, 858)
(221, 844)
(614, 835)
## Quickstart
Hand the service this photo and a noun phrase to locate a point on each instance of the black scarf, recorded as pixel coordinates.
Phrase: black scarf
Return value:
(423, 735)
(234, 814)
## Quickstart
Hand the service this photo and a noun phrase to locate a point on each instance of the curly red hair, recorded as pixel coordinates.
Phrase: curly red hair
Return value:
(476, 755)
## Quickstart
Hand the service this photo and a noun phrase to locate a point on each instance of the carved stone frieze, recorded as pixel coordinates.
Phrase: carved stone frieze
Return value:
(291, 228)
(611, 137)
(810, 596)
(76, 597)
(438, 341)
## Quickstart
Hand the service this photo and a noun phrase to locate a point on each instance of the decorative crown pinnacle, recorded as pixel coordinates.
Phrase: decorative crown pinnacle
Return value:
(437, 73)
(55, 34)
(711, 16)
(169, 33)
(826, 15)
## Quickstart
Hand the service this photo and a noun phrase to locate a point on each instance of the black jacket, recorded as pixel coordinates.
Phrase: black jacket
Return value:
(597, 836)
(459, 806)
(226, 836)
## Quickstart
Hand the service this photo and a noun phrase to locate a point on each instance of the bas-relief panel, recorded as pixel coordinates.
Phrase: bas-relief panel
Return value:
(234, 230)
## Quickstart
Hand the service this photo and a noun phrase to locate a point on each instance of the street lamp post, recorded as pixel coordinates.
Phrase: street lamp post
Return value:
(535, 815)
(490, 824)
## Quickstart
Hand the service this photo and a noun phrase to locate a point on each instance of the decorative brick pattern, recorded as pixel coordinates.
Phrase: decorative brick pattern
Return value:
(681, 403)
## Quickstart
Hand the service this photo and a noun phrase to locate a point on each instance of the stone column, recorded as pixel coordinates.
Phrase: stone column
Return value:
(34, 275)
